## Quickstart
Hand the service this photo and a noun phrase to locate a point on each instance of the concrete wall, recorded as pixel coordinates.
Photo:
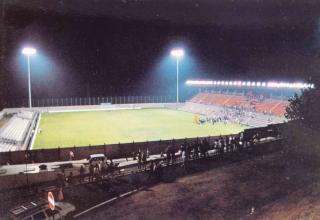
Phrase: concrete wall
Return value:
(16, 181)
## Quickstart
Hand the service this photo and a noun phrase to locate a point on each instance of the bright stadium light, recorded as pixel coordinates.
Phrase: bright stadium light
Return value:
(198, 82)
(28, 51)
(270, 84)
(177, 53)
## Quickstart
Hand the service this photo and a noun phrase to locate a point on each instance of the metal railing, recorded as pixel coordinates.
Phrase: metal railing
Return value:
(71, 101)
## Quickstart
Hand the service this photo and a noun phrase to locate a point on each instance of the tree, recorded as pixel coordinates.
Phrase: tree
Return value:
(305, 108)
(301, 134)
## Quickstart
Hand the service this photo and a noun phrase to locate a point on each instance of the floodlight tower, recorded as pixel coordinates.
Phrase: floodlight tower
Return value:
(28, 51)
(178, 54)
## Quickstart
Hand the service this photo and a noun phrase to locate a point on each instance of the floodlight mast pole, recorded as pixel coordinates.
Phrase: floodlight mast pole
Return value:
(28, 51)
(177, 79)
(29, 81)
(177, 53)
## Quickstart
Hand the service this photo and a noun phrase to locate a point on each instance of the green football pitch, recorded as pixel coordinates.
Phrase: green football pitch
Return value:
(70, 129)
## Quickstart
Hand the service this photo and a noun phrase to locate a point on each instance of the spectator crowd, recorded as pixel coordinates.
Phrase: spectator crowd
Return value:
(173, 154)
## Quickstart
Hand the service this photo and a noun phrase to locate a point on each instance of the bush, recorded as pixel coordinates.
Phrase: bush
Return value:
(301, 140)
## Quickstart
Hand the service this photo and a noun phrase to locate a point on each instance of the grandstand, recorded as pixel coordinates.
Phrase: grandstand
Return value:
(241, 109)
(271, 106)
(13, 135)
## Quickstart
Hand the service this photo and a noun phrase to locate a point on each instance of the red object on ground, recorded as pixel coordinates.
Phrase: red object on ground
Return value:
(51, 200)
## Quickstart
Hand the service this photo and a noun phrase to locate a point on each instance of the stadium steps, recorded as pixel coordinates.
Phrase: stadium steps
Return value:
(252, 119)
(14, 132)
(273, 106)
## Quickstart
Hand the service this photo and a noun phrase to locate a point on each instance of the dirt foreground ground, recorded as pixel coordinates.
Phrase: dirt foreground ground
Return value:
(265, 187)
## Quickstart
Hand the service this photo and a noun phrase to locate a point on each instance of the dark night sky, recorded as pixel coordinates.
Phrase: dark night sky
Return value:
(115, 47)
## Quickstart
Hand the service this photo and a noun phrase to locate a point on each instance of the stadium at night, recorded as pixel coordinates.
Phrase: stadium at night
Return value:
(209, 108)
(159, 109)
(220, 108)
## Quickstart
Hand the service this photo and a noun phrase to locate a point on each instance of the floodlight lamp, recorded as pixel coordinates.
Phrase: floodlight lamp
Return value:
(270, 84)
(29, 51)
(178, 52)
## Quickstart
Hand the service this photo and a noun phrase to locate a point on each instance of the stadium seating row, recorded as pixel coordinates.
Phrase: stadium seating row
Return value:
(5, 147)
(270, 106)
(13, 134)
(26, 115)
(253, 119)
(15, 130)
